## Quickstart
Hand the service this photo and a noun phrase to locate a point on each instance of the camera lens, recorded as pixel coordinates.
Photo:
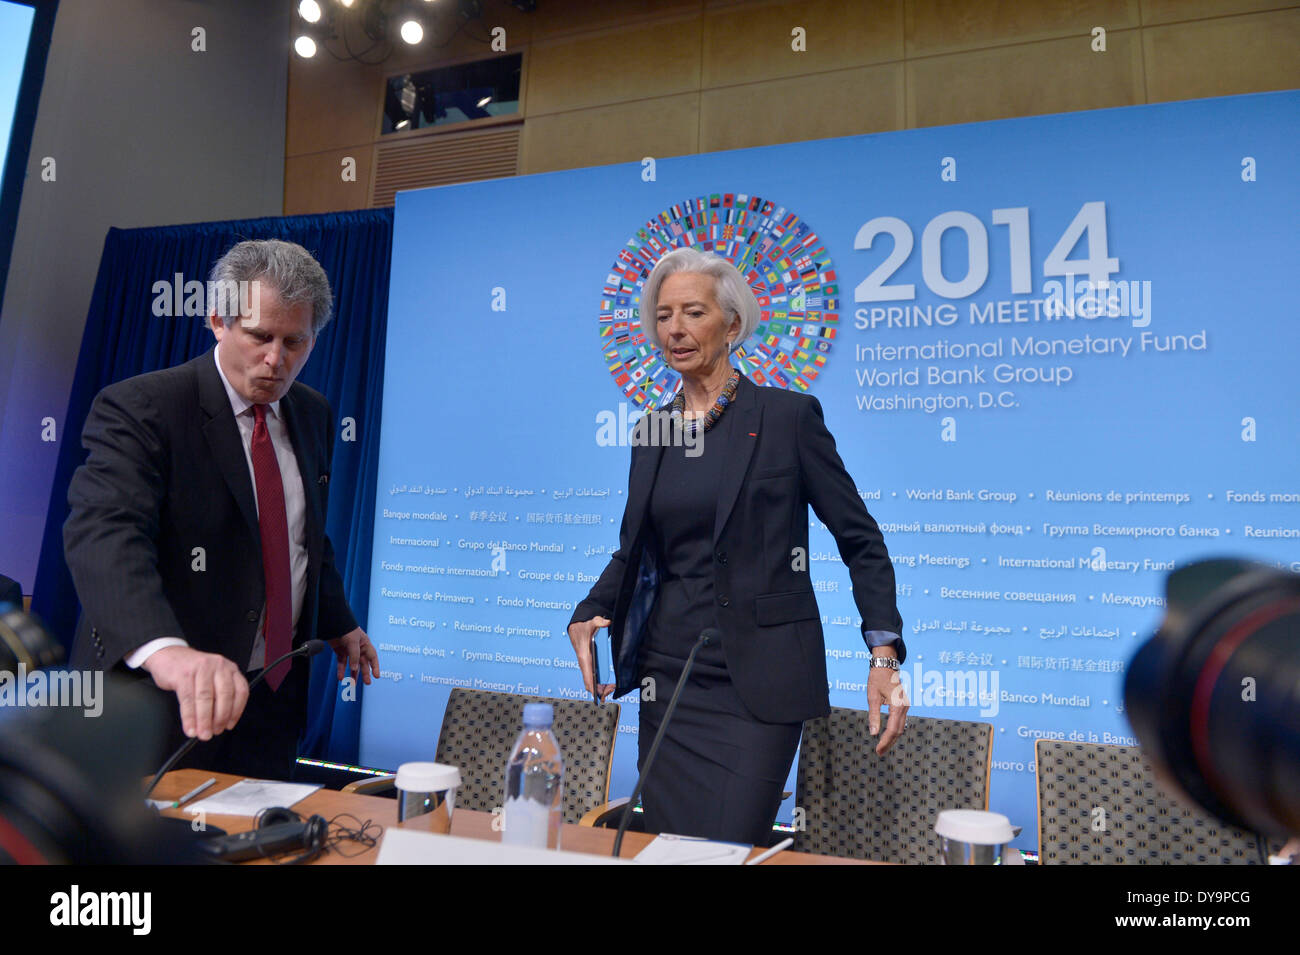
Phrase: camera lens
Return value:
(1214, 696)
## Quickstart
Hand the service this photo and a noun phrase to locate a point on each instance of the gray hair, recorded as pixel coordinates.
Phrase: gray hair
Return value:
(733, 293)
(287, 267)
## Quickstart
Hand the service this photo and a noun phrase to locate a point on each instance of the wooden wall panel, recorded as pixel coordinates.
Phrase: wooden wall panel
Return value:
(662, 59)
(612, 134)
(948, 26)
(753, 43)
(609, 81)
(1245, 54)
(843, 103)
(331, 104)
(568, 17)
(1169, 11)
(437, 159)
(1054, 76)
(314, 182)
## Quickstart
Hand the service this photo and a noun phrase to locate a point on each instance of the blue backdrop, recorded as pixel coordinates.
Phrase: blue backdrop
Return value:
(1039, 449)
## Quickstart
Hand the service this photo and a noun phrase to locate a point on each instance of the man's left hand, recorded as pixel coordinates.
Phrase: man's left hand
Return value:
(356, 656)
(885, 687)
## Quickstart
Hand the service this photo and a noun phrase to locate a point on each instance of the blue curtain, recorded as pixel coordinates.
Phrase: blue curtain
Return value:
(123, 338)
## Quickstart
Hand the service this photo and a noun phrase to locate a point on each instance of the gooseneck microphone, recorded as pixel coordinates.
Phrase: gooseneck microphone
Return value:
(308, 649)
(707, 638)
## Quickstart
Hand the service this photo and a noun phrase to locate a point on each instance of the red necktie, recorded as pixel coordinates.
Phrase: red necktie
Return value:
(274, 526)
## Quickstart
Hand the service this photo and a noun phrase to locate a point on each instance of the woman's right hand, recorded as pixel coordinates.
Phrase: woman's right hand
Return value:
(580, 635)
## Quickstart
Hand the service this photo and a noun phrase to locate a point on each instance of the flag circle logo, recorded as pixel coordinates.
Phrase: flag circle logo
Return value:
(781, 258)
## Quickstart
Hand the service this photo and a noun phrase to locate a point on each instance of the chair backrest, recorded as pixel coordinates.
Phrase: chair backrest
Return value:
(864, 806)
(480, 728)
(1101, 803)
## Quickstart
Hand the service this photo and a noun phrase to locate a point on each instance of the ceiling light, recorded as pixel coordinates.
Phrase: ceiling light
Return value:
(412, 32)
(305, 46)
(309, 10)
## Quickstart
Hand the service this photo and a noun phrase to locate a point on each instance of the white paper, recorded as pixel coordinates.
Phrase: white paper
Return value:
(248, 797)
(407, 847)
(689, 850)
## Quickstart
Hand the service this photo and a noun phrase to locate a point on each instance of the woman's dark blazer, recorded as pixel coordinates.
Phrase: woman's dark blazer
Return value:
(766, 609)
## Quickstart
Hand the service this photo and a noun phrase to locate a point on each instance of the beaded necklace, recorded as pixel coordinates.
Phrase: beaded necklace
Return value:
(719, 406)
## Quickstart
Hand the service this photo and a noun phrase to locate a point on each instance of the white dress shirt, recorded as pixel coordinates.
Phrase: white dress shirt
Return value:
(295, 501)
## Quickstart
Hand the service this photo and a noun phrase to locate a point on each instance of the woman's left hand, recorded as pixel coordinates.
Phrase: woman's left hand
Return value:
(885, 686)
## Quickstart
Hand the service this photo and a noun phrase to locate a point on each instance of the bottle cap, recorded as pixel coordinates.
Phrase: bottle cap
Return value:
(539, 714)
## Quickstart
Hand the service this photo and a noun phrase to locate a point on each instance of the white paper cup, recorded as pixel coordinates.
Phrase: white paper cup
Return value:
(427, 789)
(972, 836)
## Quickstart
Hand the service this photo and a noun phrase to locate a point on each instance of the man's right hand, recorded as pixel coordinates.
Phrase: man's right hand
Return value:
(211, 689)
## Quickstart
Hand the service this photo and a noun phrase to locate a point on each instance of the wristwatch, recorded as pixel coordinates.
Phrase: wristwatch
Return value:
(889, 662)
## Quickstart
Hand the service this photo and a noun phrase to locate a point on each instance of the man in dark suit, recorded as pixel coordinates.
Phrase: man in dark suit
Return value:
(196, 537)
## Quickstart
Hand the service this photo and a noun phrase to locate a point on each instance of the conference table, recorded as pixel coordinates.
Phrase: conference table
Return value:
(469, 823)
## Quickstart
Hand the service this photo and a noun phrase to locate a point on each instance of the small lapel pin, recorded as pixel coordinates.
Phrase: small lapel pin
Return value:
(323, 479)
(753, 434)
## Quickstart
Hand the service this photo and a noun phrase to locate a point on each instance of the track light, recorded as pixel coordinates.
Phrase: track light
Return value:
(305, 46)
(366, 30)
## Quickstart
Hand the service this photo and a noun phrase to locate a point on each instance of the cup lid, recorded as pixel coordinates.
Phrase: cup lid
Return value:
(427, 777)
(974, 826)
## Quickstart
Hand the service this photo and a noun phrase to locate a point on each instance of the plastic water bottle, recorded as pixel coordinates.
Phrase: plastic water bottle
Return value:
(534, 783)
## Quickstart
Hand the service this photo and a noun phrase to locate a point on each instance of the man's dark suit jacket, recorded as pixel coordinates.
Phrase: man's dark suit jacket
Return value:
(163, 539)
(766, 609)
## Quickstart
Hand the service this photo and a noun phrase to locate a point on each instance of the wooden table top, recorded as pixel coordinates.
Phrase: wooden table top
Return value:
(469, 823)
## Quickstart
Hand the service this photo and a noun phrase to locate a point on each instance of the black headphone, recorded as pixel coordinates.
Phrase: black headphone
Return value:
(313, 836)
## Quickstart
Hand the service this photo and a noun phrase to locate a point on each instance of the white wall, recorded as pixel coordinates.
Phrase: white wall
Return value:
(144, 131)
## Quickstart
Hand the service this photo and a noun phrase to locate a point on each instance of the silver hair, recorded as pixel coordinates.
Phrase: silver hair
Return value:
(287, 267)
(733, 293)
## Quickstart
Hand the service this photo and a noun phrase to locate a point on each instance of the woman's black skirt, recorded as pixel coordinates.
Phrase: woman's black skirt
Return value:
(719, 772)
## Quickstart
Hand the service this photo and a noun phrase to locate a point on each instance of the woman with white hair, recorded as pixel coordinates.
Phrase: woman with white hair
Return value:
(715, 535)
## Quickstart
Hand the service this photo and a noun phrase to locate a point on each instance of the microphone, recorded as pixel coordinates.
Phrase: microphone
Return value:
(707, 638)
(308, 649)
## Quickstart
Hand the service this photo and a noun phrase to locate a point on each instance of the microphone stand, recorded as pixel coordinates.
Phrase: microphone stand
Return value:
(706, 638)
(310, 649)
